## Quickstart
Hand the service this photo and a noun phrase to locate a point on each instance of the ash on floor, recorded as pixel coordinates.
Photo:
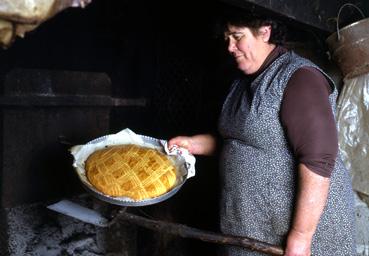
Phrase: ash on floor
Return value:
(34, 230)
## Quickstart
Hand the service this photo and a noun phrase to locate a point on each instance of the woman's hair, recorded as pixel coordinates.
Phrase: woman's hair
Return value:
(242, 18)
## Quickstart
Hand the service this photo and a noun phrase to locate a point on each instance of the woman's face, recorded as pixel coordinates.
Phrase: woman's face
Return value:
(249, 50)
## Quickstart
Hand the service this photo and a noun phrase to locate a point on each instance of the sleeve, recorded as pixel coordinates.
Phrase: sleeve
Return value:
(308, 120)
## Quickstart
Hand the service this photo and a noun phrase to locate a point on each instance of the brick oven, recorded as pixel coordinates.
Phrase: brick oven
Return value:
(152, 66)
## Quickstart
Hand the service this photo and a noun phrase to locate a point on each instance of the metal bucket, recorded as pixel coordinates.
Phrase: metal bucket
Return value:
(349, 46)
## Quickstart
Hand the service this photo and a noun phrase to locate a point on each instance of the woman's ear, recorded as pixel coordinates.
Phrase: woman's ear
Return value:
(265, 32)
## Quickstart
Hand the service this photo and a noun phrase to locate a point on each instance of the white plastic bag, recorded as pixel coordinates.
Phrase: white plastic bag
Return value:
(353, 130)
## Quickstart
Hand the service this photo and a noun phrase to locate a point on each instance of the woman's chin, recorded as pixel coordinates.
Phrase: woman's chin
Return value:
(246, 71)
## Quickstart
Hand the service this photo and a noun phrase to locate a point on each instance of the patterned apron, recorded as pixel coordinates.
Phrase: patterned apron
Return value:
(259, 174)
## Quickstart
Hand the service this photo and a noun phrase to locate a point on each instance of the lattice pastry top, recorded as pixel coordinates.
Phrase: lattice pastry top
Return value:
(131, 171)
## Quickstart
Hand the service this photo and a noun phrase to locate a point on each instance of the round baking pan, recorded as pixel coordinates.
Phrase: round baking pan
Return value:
(125, 201)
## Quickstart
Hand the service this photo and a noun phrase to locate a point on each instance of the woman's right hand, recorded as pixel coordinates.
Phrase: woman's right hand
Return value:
(203, 144)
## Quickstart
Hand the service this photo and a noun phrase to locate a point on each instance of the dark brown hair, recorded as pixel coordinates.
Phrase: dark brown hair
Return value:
(241, 18)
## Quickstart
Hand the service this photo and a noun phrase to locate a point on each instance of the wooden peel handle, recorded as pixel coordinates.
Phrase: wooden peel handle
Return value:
(206, 236)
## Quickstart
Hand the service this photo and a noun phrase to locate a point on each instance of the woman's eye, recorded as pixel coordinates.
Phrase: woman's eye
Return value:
(238, 37)
(235, 36)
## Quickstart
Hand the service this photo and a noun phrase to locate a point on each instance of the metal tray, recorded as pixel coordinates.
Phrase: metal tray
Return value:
(124, 201)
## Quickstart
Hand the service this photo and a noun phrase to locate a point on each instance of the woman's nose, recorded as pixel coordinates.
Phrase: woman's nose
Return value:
(231, 45)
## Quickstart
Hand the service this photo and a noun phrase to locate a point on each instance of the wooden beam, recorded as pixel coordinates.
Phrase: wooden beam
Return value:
(189, 232)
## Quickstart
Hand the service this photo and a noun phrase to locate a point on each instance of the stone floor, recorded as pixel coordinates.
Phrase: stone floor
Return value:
(34, 230)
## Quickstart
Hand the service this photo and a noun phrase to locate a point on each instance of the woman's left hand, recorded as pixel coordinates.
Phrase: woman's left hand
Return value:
(298, 244)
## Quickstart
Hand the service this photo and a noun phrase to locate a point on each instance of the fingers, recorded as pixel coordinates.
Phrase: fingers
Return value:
(298, 244)
(201, 144)
(181, 141)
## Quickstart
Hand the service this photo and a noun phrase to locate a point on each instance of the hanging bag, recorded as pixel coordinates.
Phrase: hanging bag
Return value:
(349, 47)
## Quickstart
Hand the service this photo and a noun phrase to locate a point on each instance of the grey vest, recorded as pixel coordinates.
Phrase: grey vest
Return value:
(258, 170)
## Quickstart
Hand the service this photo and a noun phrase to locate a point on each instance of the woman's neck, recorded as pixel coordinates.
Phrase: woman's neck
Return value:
(273, 53)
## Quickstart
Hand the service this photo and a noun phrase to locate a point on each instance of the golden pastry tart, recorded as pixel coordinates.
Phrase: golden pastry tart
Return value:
(130, 171)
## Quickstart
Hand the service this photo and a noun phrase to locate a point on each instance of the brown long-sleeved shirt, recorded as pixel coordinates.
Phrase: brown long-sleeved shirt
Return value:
(307, 117)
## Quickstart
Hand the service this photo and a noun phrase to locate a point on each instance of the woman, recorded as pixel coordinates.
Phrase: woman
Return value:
(282, 179)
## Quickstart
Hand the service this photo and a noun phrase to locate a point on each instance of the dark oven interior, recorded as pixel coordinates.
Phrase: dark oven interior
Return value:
(152, 66)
